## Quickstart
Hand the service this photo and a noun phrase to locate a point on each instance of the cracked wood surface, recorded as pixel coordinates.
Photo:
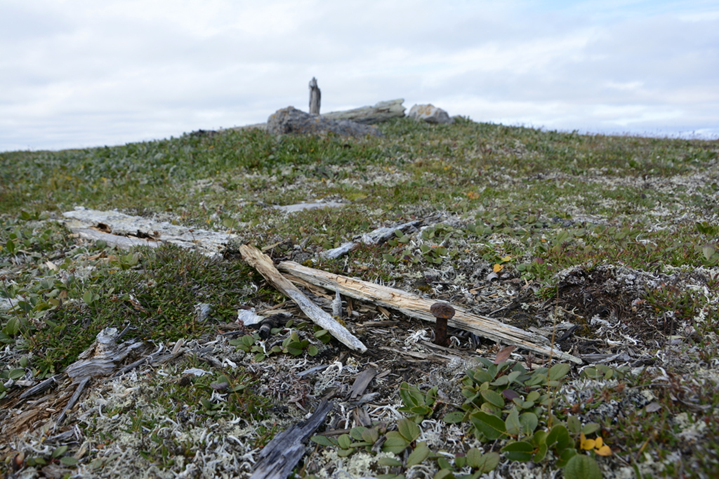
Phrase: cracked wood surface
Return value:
(281, 455)
(263, 264)
(417, 307)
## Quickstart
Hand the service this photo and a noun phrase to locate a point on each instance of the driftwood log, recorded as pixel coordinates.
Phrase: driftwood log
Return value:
(281, 455)
(382, 111)
(263, 264)
(417, 307)
(380, 235)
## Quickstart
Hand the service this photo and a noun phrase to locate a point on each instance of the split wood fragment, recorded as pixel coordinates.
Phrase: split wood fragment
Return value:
(263, 264)
(281, 455)
(417, 307)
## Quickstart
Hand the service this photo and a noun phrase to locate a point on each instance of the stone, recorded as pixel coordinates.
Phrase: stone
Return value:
(430, 114)
(382, 111)
(293, 121)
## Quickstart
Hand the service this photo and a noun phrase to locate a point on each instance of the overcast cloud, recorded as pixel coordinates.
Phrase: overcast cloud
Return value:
(90, 73)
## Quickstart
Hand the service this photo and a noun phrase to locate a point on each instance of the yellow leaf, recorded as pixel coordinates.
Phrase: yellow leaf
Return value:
(598, 442)
(604, 451)
(585, 443)
(507, 258)
(497, 268)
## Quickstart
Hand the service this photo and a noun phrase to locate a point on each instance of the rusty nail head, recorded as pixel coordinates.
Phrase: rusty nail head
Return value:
(442, 312)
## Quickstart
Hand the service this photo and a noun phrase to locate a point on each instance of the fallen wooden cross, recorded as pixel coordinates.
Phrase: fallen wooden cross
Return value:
(417, 307)
(263, 264)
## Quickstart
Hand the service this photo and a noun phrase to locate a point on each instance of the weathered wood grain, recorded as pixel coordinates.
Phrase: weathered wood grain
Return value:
(417, 307)
(263, 264)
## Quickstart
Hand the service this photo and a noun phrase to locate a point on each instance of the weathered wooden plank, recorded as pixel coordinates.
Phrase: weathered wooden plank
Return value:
(377, 236)
(361, 383)
(315, 97)
(418, 307)
(277, 459)
(382, 111)
(263, 264)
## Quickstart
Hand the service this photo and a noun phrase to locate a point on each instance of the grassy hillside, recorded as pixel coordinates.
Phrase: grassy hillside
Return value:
(618, 236)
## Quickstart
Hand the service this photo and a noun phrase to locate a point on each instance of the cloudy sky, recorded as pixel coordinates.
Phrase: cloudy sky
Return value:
(89, 73)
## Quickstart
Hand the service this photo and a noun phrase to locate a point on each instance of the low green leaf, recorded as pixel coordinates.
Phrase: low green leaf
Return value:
(536, 380)
(370, 435)
(344, 452)
(500, 381)
(408, 429)
(395, 443)
(356, 433)
(59, 451)
(519, 451)
(344, 441)
(473, 457)
(12, 327)
(389, 461)
(419, 454)
(488, 424)
(69, 461)
(312, 350)
(590, 427)
(708, 251)
(566, 456)
(488, 463)
(444, 473)
(480, 376)
(490, 409)
(88, 297)
(322, 441)
(529, 422)
(540, 437)
(16, 373)
(389, 258)
(582, 467)
(454, 417)
(574, 425)
(512, 422)
(558, 371)
(541, 453)
(558, 438)
(494, 398)
(421, 410)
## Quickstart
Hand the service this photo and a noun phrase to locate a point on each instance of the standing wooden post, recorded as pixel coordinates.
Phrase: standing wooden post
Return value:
(315, 97)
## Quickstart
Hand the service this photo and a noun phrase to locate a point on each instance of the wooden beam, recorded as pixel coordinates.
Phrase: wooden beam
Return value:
(382, 111)
(417, 307)
(263, 264)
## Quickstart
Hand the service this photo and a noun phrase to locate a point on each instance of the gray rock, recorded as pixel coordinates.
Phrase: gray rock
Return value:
(430, 114)
(368, 115)
(291, 120)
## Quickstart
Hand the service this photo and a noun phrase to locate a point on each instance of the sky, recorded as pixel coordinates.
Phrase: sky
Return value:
(77, 74)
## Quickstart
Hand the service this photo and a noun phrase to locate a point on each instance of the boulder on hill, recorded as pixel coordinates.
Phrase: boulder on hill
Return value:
(293, 121)
(430, 114)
